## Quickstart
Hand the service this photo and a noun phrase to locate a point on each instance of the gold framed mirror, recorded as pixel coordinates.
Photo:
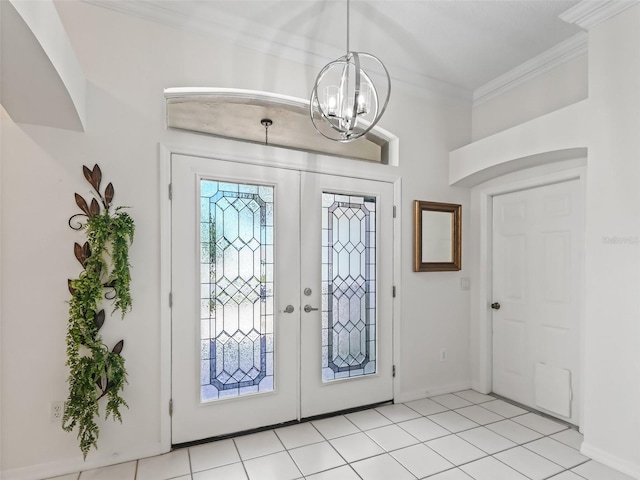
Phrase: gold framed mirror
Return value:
(437, 240)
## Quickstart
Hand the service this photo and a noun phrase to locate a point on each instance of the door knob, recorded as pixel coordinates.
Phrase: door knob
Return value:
(495, 306)
(309, 308)
(288, 309)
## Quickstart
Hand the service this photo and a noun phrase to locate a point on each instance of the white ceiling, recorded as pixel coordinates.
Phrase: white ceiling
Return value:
(463, 44)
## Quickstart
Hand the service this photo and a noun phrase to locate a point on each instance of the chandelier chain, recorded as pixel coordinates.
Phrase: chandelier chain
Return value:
(348, 24)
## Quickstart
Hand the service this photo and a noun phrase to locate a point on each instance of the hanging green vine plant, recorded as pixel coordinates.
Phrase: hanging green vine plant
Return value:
(95, 370)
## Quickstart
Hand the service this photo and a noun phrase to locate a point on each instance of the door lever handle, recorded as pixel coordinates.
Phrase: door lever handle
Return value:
(495, 306)
(288, 309)
(309, 308)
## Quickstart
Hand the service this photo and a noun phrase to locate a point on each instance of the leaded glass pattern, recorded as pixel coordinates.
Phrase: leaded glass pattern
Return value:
(348, 286)
(236, 289)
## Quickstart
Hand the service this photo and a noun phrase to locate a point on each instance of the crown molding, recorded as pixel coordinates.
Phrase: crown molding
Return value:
(588, 14)
(571, 49)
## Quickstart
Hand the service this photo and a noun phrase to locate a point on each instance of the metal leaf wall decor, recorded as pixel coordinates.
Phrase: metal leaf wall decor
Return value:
(95, 370)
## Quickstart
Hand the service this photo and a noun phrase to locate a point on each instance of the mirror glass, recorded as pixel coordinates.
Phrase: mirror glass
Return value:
(436, 236)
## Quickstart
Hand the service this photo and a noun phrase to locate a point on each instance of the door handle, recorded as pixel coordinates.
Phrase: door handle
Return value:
(495, 306)
(288, 309)
(309, 308)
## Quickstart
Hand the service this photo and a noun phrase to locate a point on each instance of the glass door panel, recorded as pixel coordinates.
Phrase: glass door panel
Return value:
(236, 285)
(348, 286)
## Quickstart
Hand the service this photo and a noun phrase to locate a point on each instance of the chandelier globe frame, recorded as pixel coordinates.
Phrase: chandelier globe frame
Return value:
(345, 103)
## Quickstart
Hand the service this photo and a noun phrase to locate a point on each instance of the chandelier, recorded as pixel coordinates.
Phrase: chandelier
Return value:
(345, 102)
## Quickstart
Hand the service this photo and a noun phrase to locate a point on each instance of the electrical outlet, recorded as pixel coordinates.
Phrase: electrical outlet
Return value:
(443, 354)
(57, 410)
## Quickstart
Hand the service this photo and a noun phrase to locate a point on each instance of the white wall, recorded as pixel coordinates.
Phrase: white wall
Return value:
(606, 125)
(612, 360)
(434, 309)
(563, 86)
(128, 62)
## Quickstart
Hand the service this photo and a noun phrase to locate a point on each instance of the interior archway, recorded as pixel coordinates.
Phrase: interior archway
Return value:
(237, 114)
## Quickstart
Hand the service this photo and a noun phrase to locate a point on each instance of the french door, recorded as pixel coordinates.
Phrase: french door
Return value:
(281, 287)
(353, 267)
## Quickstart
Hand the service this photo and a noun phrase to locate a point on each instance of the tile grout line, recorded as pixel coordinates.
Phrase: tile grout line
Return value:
(190, 466)
(564, 469)
(325, 439)
(244, 467)
(294, 462)
(342, 436)
(135, 473)
(347, 463)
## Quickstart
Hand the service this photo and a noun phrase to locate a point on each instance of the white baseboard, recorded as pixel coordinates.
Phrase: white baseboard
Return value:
(480, 388)
(599, 455)
(450, 388)
(75, 464)
(404, 397)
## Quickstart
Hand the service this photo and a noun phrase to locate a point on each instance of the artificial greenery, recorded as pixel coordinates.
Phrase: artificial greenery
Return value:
(95, 371)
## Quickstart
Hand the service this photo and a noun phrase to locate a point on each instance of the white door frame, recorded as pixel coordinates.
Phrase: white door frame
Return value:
(255, 154)
(482, 222)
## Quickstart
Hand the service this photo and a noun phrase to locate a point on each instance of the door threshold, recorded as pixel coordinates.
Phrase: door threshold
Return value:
(278, 425)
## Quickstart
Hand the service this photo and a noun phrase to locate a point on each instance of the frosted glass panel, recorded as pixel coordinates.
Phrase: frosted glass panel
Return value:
(236, 285)
(348, 286)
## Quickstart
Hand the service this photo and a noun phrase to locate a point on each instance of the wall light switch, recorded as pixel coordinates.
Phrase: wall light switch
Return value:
(465, 283)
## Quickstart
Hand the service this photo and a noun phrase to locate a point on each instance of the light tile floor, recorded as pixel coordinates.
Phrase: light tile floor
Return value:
(460, 436)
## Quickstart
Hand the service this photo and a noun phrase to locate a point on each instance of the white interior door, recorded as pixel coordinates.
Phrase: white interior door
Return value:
(247, 243)
(538, 243)
(346, 279)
